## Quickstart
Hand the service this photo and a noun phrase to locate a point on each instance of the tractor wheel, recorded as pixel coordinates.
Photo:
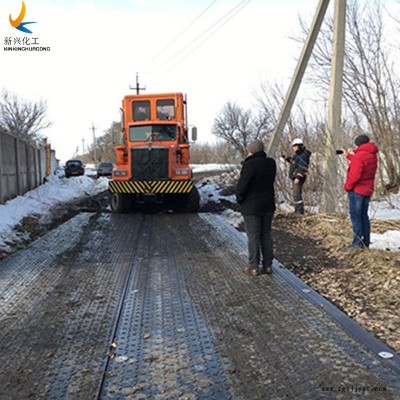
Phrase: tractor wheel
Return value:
(120, 203)
(193, 201)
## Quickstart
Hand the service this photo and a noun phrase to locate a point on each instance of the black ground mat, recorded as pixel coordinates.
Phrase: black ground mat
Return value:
(157, 307)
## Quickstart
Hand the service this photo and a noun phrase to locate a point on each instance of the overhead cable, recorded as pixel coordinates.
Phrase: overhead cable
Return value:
(210, 31)
(183, 31)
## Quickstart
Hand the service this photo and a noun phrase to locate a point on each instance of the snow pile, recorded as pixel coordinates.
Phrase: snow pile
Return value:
(218, 188)
(213, 167)
(40, 201)
(390, 240)
(209, 193)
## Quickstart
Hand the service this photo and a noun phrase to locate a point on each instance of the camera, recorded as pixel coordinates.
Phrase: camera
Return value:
(339, 151)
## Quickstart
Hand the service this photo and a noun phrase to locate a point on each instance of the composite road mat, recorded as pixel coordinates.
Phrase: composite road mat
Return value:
(156, 306)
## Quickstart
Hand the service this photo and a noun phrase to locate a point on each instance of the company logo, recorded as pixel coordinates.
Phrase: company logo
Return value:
(18, 24)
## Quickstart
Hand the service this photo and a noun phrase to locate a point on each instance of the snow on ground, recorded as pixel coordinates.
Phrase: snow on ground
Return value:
(390, 240)
(213, 167)
(57, 190)
(40, 201)
(389, 208)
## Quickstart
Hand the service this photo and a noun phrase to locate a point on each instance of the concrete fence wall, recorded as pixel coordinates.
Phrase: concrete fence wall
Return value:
(22, 167)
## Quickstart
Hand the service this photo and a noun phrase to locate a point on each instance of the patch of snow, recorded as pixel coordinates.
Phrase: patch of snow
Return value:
(209, 192)
(389, 208)
(212, 167)
(329, 220)
(41, 200)
(390, 240)
(233, 217)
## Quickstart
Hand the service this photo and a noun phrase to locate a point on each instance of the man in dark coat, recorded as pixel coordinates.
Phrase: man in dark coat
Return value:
(256, 197)
(298, 172)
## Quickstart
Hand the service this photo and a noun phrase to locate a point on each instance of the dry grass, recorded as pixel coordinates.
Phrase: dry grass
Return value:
(363, 283)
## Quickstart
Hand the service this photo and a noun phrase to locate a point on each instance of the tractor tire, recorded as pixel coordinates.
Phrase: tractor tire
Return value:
(120, 203)
(193, 201)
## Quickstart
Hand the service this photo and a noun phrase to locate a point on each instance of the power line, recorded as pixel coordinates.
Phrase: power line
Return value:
(204, 33)
(213, 28)
(209, 36)
(184, 30)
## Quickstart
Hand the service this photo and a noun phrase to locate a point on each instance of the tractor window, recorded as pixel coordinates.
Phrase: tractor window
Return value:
(152, 133)
(166, 109)
(139, 133)
(164, 132)
(141, 110)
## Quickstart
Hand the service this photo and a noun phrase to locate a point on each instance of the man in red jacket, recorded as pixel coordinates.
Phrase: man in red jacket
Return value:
(360, 186)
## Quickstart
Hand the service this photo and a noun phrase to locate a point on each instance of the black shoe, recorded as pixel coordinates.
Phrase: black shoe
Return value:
(265, 270)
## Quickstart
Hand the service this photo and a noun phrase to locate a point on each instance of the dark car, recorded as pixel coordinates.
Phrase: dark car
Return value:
(105, 169)
(74, 168)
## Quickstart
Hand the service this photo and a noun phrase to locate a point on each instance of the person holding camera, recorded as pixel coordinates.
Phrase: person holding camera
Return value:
(298, 172)
(256, 197)
(359, 184)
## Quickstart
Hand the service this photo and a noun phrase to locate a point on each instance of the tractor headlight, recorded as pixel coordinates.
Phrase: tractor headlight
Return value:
(120, 172)
(181, 171)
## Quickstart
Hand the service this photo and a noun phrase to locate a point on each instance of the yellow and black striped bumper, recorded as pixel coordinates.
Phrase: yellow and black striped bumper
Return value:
(150, 187)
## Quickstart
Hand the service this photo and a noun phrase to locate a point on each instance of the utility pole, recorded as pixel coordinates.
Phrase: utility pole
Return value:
(138, 88)
(330, 192)
(83, 146)
(94, 143)
(297, 77)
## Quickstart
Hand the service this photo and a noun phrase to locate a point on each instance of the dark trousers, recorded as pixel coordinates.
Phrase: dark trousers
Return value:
(259, 237)
(298, 196)
(358, 206)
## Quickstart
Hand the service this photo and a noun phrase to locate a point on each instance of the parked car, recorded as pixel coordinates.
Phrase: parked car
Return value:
(105, 169)
(74, 168)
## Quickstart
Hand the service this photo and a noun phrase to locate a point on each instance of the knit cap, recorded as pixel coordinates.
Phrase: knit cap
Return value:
(361, 139)
(255, 146)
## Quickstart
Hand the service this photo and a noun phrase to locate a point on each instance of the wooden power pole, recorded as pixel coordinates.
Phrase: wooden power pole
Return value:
(297, 77)
(330, 193)
(331, 181)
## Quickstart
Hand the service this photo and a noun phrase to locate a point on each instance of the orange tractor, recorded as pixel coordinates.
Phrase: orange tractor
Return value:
(153, 163)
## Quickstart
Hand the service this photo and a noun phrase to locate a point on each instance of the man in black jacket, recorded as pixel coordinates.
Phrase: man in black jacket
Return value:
(256, 197)
(298, 171)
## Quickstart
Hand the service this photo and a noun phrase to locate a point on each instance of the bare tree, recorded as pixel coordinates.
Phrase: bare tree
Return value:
(373, 88)
(305, 122)
(105, 144)
(219, 152)
(370, 83)
(238, 127)
(22, 119)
